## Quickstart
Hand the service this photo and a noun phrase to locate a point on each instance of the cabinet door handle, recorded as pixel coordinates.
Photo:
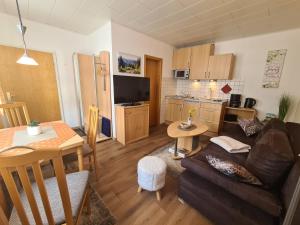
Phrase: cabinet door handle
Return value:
(205, 74)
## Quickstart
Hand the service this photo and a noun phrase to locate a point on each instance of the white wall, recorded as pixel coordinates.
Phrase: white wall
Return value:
(50, 39)
(129, 41)
(62, 44)
(251, 54)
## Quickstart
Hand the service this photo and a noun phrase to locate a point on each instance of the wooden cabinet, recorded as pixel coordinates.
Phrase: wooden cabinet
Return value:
(212, 115)
(208, 113)
(200, 55)
(203, 64)
(132, 123)
(173, 110)
(181, 58)
(220, 67)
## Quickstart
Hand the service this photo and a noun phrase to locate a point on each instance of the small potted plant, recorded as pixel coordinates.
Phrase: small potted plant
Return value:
(34, 128)
(284, 105)
(191, 112)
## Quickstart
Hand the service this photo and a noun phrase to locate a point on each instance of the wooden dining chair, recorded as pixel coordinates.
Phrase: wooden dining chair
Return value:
(89, 148)
(15, 113)
(56, 200)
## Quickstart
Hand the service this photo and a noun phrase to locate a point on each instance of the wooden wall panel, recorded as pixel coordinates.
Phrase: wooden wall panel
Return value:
(35, 85)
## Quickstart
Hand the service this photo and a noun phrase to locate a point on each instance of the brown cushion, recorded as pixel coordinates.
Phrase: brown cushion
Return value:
(256, 196)
(275, 124)
(271, 158)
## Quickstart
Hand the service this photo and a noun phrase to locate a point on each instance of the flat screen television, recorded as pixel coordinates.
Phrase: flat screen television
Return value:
(131, 90)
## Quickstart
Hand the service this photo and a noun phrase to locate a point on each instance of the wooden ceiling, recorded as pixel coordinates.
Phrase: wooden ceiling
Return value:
(177, 22)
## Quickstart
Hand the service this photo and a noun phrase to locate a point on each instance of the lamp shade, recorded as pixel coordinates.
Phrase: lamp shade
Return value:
(26, 60)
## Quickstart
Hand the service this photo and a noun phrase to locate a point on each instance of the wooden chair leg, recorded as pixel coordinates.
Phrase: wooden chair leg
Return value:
(158, 195)
(90, 162)
(139, 189)
(95, 167)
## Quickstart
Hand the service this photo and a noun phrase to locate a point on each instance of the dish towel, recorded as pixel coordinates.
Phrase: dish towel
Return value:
(230, 145)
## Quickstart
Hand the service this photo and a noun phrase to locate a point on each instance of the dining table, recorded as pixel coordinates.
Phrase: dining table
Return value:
(55, 134)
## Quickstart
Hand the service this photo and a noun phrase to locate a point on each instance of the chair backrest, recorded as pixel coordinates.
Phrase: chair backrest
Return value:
(12, 112)
(93, 126)
(19, 159)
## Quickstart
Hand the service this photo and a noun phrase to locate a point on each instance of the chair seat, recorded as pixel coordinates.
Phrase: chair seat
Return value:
(86, 150)
(77, 184)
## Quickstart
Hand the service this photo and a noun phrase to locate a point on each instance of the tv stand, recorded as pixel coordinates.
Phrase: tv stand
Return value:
(132, 122)
(131, 104)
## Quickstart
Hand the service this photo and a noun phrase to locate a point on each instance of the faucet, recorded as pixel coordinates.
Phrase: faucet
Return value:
(185, 94)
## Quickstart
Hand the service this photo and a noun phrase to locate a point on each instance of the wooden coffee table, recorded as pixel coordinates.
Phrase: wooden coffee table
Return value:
(186, 140)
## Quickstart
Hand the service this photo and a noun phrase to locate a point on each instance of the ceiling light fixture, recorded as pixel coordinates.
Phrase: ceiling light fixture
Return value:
(25, 59)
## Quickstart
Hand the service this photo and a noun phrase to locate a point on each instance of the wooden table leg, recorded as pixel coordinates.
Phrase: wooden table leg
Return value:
(80, 158)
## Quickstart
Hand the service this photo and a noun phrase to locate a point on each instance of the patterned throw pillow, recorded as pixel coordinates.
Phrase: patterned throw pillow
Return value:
(233, 170)
(250, 127)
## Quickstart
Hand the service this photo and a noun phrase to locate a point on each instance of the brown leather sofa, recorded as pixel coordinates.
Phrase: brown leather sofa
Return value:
(228, 202)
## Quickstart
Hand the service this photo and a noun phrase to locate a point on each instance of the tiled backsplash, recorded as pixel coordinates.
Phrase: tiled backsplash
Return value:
(209, 89)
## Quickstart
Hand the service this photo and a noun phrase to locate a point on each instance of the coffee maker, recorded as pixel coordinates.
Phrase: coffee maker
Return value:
(249, 103)
(235, 100)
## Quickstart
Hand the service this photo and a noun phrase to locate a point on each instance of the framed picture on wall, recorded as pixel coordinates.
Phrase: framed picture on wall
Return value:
(273, 68)
(129, 64)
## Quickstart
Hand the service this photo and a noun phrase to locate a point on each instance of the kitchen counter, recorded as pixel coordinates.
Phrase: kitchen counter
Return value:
(194, 99)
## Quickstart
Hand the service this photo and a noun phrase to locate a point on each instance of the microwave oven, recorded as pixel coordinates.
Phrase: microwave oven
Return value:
(181, 74)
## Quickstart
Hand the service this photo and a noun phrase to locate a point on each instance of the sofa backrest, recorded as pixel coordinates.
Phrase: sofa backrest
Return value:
(289, 186)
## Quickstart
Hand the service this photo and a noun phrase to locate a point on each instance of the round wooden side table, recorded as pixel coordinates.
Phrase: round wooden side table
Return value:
(187, 141)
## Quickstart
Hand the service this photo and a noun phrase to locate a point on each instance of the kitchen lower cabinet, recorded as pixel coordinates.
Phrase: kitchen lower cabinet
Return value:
(173, 110)
(212, 115)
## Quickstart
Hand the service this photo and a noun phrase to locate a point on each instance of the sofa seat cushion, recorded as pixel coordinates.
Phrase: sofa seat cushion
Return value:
(271, 158)
(236, 132)
(265, 200)
(217, 151)
(77, 184)
(220, 206)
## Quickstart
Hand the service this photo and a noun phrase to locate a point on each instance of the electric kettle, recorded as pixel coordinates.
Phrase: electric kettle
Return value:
(249, 102)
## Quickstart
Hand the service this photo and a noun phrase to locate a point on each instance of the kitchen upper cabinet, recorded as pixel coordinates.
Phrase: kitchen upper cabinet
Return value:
(181, 58)
(220, 67)
(200, 56)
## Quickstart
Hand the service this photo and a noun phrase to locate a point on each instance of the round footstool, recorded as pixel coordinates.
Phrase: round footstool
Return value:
(151, 174)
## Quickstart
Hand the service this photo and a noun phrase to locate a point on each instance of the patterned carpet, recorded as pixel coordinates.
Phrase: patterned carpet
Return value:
(100, 215)
(174, 167)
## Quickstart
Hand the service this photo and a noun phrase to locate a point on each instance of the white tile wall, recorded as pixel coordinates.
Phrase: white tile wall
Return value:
(209, 89)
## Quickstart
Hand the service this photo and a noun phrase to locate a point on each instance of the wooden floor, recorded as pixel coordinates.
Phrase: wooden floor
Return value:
(117, 185)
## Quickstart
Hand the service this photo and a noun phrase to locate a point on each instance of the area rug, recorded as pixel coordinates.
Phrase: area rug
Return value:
(100, 215)
(174, 167)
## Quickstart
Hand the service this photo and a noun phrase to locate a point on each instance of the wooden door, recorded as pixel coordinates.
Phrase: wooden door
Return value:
(153, 70)
(199, 61)
(181, 58)
(87, 84)
(220, 67)
(34, 85)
